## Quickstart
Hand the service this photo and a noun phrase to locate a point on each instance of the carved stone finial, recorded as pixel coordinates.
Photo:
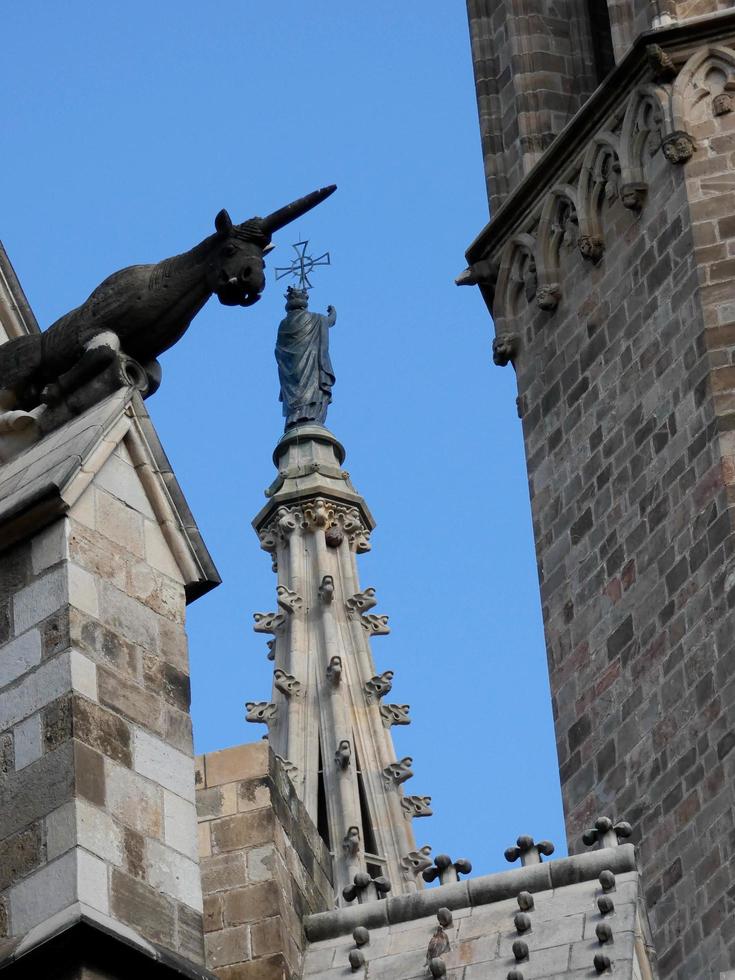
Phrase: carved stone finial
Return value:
(633, 195)
(399, 772)
(603, 931)
(515, 975)
(664, 69)
(446, 870)
(363, 885)
(361, 935)
(417, 806)
(289, 600)
(607, 834)
(607, 881)
(343, 755)
(416, 861)
(528, 850)
(605, 904)
(520, 950)
(395, 714)
(601, 962)
(326, 589)
(286, 683)
(525, 901)
(505, 348)
(260, 712)
(271, 644)
(334, 671)
(375, 625)
(722, 104)
(351, 842)
(522, 921)
(591, 248)
(548, 296)
(378, 686)
(357, 959)
(269, 622)
(444, 917)
(678, 147)
(360, 602)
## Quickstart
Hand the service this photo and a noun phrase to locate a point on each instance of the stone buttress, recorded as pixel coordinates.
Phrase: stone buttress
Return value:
(608, 268)
(99, 554)
(330, 716)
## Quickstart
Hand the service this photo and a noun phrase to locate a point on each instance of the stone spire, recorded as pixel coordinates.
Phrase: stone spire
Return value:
(328, 718)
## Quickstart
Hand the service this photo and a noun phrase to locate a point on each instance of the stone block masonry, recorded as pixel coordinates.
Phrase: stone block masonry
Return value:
(264, 866)
(97, 804)
(615, 298)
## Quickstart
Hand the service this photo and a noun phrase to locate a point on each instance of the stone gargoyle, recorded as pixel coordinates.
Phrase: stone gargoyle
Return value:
(137, 314)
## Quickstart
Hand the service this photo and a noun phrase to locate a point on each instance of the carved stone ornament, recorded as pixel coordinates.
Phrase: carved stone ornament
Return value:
(416, 861)
(361, 883)
(605, 833)
(269, 622)
(664, 69)
(316, 513)
(289, 600)
(334, 671)
(286, 683)
(334, 536)
(399, 772)
(591, 248)
(375, 625)
(528, 850)
(633, 195)
(260, 712)
(721, 104)
(268, 540)
(360, 602)
(361, 935)
(351, 842)
(505, 349)
(446, 870)
(417, 806)
(378, 686)
(271, 649)
(356, 959)
(326, 589)
(395, 714)
(287, 522)
(288, 767)
(548, 296)
(678, 147)
(343, 755)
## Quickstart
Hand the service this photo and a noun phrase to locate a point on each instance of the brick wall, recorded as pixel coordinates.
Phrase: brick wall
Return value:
(264, 865)
(626, 398)
(96, 760)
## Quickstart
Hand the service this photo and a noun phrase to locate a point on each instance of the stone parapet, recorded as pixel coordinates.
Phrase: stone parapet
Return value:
(264, 866)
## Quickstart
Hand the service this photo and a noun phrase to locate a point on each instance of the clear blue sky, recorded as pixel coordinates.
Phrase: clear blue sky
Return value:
(126, 127)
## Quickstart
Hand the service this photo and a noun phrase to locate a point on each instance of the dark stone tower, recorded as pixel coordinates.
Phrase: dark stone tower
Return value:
(609, 143)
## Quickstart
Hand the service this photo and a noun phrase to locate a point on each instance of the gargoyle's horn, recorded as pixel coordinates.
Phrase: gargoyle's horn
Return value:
(294, 210)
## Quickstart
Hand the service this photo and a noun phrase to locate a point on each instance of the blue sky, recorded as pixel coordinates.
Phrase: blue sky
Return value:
(126, 128)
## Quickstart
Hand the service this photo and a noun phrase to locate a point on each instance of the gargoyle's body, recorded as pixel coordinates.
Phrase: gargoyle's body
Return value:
(143, 310)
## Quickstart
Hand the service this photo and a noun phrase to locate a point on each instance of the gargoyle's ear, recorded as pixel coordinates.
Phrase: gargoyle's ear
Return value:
(223, 223)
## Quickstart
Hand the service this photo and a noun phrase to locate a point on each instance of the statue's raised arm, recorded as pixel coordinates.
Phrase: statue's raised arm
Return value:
(136, 314)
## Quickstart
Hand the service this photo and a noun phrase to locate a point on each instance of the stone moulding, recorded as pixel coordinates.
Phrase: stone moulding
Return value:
(588, 162)
(471, 892)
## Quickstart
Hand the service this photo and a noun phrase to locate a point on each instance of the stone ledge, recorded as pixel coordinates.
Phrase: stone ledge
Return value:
(471, 892)
(585, 122)
(80, 937)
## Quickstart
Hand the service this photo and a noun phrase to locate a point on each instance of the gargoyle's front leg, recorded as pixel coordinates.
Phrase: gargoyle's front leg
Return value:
(99, 352)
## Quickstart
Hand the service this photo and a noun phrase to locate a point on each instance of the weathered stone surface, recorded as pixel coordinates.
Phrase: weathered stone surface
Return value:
(242, 830)
(142, 907)
(20, 854)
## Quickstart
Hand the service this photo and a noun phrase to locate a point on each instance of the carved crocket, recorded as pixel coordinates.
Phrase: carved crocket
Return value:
(143, 310)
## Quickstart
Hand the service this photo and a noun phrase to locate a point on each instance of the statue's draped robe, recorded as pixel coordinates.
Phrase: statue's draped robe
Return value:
(304, 368)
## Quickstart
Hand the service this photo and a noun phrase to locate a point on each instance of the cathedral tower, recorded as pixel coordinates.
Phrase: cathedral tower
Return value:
(608, 136)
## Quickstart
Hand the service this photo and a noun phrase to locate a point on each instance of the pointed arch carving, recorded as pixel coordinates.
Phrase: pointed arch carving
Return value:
(599, 180)
(646, 123)
(705, 86)
(517, 277)
(558, 227)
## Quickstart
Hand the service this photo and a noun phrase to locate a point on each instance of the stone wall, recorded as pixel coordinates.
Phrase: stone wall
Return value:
(624, 356)
(96, 761)
(264, 865)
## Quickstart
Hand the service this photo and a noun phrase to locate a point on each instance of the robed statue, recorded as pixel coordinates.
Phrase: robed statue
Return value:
(304, 367)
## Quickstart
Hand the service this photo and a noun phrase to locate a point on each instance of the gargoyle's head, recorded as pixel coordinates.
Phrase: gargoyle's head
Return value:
(235, 271)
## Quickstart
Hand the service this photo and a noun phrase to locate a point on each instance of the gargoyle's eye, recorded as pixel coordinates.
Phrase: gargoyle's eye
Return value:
(230, 250)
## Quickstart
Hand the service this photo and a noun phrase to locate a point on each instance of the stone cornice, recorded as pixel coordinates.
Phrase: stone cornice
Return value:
(678, 40)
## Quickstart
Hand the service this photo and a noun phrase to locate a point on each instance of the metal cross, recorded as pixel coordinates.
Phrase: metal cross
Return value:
(303, 265)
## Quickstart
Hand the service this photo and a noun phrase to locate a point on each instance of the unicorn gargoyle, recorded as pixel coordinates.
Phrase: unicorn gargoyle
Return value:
(132, 317)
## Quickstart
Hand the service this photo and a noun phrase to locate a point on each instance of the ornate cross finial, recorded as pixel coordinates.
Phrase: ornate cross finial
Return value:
(303, 265)
(446, 870)
(528, 850)
(605, 833)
